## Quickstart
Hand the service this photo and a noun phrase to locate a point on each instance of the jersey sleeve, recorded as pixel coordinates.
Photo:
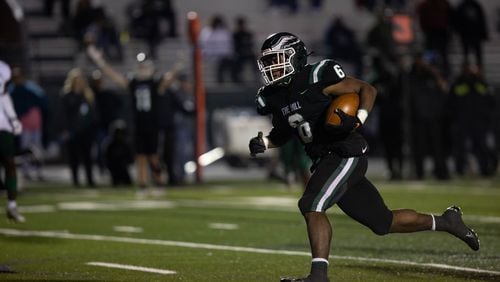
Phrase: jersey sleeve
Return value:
(326, 73)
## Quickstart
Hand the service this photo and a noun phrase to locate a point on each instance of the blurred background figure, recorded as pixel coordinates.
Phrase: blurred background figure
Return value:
(79, 117)
(109, 107)
(435, 22)
(342, 45)
(472, 108)
(48, 6)
(103, 33)
(144, 89)
(216, 42)
(427, 94)
(146, 18)
(9, 126)
(244, 55)
(118, 154)
(177, 123)
(295, 163)
(379, 39)
(31, 107)
(389, 106)
(469, 20)
(85, 14)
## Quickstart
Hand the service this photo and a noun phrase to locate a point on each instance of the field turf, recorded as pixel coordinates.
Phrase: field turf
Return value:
(238, 231)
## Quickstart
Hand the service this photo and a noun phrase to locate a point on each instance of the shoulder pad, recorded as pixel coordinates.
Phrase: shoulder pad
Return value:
(326, 72)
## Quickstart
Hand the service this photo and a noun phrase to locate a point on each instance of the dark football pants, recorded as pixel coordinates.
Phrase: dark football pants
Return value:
(342, 181)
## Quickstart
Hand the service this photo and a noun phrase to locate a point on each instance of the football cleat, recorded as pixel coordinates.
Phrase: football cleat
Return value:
(309, 278)
(14, 215)
(457, 227)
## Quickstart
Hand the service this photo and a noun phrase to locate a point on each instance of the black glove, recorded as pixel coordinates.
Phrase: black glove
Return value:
(348, 123)
(257, 145)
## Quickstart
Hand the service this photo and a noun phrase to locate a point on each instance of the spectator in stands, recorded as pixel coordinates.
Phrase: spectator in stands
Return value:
(145, 21)
(469, 20)
(9, 126)
(426, 97)
(177, 124)
(390, 122)
(217, 45)
(144, 90)
(31, 107)
(85, 15)
(472, 108)
(435, 21)
(243, 40)
(79, 118)
(102, 32)
(48, 7)
(379, 38)
(291, 5)
(118, 154)
(341, 44)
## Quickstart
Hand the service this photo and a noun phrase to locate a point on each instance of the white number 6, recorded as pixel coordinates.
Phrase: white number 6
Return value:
(339, 71)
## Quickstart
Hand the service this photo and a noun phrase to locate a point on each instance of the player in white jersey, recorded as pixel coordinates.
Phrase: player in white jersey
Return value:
(9, 126)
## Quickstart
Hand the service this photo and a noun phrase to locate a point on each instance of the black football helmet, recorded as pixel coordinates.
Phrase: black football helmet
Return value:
(283, 54)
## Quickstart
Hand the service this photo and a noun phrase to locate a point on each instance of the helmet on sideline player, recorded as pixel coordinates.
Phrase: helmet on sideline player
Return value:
(5, 76)
(283, 54)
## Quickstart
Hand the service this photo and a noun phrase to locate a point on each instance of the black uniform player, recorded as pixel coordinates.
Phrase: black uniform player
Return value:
(298, 95)
(144, 89)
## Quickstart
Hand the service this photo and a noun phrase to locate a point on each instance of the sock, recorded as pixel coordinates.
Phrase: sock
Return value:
(439, 223)
(11, 185)
(319, 267)
(11, 204)
(433, 228)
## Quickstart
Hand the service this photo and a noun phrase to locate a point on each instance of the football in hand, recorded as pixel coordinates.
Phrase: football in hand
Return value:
(348, 103)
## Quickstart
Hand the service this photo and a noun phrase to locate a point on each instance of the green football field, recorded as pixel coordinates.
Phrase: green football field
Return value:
(238, 231)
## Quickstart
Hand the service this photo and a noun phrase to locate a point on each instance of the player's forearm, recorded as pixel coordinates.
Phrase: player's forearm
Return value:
(367, 94)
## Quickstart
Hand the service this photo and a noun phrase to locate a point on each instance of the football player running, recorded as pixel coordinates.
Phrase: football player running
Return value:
(297, 95)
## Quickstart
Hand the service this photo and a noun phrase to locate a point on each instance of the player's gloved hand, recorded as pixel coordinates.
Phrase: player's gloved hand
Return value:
(17, 127)
(257, 145)
(348, 123)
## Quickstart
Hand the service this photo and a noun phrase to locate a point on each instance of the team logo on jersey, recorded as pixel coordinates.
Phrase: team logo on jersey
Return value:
(295, 106)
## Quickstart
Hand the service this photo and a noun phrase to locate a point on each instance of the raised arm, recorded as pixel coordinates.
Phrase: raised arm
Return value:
(168, 78)
(108, 71)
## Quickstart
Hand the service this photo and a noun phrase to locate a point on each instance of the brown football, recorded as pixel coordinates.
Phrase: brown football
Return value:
(348, 103)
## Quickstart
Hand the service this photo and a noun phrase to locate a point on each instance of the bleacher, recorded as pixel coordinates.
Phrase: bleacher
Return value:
(53, 54)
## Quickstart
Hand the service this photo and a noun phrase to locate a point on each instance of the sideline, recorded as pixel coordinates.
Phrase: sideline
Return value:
(51, 234)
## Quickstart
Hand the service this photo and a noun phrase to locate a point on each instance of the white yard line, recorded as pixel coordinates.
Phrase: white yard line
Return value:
(131, 267)
(284, 204)
(223, 226)
(128, 229)
(49, 234)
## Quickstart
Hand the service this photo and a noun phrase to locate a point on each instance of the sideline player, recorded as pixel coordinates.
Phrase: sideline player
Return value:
(9, 126)
(297, 95)
(144, 89)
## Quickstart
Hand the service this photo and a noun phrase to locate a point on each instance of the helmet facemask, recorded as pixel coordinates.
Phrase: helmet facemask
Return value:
(276, 65)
